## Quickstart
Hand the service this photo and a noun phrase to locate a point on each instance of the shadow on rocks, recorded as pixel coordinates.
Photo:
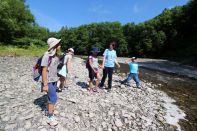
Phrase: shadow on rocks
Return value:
(41, 102)
(83, 85)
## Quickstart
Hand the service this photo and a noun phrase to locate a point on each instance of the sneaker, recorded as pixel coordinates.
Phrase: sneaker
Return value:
(59, 90)
(52, 121)
(108, 90)
(138, 87)
(101, 86)
(96, 89)
(45, 111)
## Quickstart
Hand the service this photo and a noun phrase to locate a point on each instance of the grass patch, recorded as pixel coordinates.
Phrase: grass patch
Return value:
(16, 51)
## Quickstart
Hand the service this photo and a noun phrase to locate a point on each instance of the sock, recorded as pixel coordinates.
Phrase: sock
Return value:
(50, 115)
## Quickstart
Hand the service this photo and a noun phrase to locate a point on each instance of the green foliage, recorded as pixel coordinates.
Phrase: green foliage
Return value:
(85, 37)
(28, 42)
(15, 20)
(16, 51)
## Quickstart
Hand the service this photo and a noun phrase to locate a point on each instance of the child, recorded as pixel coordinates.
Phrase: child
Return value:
(49, 76)
(93, 69)
(133, 72)
(66, 69)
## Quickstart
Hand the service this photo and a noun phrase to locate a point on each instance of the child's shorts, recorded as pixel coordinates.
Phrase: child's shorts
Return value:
(92, 74)
(52, 95)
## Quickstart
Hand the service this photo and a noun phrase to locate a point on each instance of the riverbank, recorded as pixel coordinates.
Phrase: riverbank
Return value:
(166, 66)
(124, 108)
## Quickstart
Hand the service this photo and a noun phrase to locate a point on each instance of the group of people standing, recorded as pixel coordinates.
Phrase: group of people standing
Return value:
(54, 78)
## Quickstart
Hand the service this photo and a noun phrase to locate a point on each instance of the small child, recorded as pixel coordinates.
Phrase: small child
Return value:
(133, 72)
(93, 68)
(65, 70)
(49, 77)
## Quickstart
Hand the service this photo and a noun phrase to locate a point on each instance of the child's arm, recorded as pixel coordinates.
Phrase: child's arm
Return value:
(44, 79)
(127, 61)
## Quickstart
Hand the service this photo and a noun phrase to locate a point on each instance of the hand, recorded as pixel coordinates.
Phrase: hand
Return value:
(118, 65)
(100, 66)
(45, 88)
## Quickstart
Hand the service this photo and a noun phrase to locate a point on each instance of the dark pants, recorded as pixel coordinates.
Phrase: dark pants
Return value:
(107, 71)
(133, 76)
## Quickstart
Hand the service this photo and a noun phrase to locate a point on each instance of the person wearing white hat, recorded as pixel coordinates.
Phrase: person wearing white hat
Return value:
(66, 69)
(49, 76)
(133, 66)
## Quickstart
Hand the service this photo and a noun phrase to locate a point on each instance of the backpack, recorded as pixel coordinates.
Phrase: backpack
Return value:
(37, 69)
(61, 61)
(87, 63)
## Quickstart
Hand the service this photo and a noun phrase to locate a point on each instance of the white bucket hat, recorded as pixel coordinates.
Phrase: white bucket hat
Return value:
(71, 49)
(52, 42)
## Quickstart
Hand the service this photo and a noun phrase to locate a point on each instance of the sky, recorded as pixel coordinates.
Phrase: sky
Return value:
(54, 14)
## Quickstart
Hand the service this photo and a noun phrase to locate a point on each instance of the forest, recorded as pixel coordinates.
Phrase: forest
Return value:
(171, 35)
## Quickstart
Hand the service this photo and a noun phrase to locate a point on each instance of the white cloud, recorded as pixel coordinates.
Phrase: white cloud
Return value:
(100, 9)
(47, 21)
(136, 8)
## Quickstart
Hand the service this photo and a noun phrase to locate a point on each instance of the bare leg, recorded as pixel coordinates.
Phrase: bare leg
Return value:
(50, 108)
(90, 86)
(62, 79)
(98, 79)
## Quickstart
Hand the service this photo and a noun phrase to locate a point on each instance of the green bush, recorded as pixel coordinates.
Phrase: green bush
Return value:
(28, 42)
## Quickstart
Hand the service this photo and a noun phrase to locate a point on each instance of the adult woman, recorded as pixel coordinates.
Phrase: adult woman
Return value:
(109, 61)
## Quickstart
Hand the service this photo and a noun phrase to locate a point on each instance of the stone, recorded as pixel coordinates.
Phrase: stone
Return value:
(43, 129)
(110, 113)
(5, 118)
(10, 126)
(109, 129)
(56, 112)
(99, 129)
(118, 123)
(91, 114)
(104, 124)
(62, 114)
(77, 119)
(27, 124)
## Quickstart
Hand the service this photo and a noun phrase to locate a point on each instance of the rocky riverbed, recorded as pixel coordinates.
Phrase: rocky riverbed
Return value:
(124, 108)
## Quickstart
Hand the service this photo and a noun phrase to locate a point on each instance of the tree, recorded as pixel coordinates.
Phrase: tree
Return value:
(15, 20)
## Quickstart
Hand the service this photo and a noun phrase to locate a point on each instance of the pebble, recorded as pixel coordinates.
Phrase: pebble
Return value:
(77, 119)
(118, 123)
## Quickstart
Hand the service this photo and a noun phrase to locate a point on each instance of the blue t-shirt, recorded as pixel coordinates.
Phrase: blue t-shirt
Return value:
(133, 67)
(110, 57)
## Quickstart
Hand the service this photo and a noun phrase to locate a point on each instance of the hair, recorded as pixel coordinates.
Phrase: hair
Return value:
(113, 40)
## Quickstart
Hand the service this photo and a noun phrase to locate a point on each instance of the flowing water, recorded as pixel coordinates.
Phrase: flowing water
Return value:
(182, 89)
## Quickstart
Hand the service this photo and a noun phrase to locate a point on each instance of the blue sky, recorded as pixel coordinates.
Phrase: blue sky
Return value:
(54, 14)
